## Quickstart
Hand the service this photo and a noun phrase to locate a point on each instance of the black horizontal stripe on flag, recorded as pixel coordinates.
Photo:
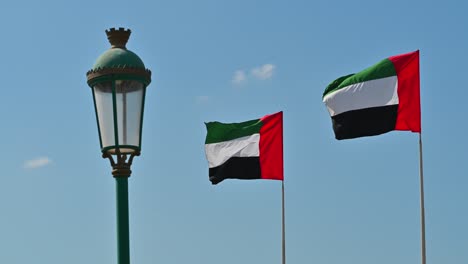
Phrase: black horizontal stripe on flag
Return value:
(243, 168)
(365, 122)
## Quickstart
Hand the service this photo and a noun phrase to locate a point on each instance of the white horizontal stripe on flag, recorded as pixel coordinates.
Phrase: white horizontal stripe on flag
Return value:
(374, 93)
(218, 153)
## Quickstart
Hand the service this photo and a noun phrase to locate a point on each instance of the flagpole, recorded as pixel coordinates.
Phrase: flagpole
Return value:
(423, 217)
(283, 246)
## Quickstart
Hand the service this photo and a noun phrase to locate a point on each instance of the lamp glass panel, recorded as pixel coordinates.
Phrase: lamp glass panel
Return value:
(129, 99)
(104, 108)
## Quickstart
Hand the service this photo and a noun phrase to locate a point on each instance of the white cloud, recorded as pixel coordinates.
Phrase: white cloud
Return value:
(263, 72)
(37, 163)
(202, 99)
(239, 76)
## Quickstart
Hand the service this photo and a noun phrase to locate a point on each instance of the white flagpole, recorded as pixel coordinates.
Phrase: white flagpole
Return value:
(423, 217)
(283, 246)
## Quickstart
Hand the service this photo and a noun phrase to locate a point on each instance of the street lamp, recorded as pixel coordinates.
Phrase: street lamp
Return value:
(118, 81)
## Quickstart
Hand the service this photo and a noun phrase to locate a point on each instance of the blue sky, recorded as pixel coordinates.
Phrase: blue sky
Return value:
(354, 201)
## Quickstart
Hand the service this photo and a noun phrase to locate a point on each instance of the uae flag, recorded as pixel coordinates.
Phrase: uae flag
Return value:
(377, 100)
(248, 150)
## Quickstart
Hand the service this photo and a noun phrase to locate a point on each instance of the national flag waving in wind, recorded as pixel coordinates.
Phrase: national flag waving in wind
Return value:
(377, 100)
(248, 150)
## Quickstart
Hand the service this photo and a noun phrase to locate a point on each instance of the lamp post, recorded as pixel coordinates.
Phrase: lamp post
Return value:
(118, 81)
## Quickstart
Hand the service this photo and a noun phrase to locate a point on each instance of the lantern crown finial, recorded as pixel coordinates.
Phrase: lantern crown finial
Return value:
(118, 37)
(118, 60)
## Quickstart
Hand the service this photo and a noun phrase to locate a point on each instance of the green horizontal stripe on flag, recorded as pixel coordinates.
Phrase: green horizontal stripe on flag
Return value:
(219, 132)
(383, 69)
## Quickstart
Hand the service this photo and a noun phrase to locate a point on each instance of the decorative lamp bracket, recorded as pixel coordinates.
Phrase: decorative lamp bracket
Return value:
(121, 168)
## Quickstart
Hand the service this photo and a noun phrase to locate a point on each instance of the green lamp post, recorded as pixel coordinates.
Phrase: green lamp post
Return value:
(118, 81)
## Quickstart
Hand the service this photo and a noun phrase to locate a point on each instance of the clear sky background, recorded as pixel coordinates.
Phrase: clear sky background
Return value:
(353, 201)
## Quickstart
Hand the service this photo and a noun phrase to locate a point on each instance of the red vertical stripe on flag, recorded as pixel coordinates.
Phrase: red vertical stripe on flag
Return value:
(271, 147)
(409, 106)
